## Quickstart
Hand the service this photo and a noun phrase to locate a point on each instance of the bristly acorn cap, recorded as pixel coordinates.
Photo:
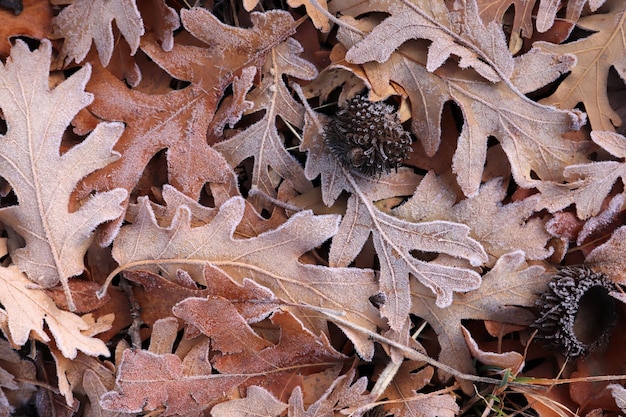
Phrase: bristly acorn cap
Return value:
(577, 312)
(367, 137)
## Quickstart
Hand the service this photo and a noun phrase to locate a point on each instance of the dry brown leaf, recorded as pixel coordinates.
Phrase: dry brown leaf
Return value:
(261, 140)
(609, 257)
(344, 394)
(159, 295)
(273, 366)
(394, 239)
(29, 308)
(146, 381)
(482, 47)
(510, 285)
(500, 228)
(180, 120)
(597, 53)
(258, 401)
(530, 134)
(402, 397)
(85, 21)
(95, 389)
(56, 239)
(161, 19)
(319, 19)
(590, 183)
(513, 361)
(270, 259)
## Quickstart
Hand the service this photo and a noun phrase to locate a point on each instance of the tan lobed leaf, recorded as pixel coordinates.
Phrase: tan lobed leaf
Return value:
(494, 10)
(270, 259)
(146, 381)
(403, 398)
(596, 54)
(319, 19)
(530, 133)
(56, 239)
(261, 140)
(609, 257)
(507, 360)
(510, 285)
(590, 183)
(85, 21)
(480, 46)
(344, 394)
(258, 401)
(500, 228)
(35, 22)
(394, 238)
(28, 308)
(161, 19)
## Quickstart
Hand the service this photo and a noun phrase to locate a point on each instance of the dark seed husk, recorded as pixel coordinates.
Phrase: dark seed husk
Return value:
(577, 312)
(367, 137)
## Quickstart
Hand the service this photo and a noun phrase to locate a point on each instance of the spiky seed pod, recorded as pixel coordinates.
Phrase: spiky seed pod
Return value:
(367, 137)
(577, 312)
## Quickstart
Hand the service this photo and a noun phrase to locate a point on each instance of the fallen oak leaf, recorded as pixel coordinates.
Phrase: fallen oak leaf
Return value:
(597, 54)
(56, 239)
(509, 286)
(261, 140)
(146, 381)
(402, 397)
(158, 295)
(278, 367)
(29, 308)
(258, 401)
(85, 21)
(270, 259)
(180, 120)
(394, 239)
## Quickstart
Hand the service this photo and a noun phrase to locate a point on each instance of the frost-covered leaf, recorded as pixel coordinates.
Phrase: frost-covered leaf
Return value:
(413, 21)
(85, 21)
(56, 239)
(596, 54)
(239, 350)
(530, 134)
(343, 394)
(258, 401)
(29, 309)
(261, 140)
(589, 184)
(404, 398)
(180, 120)
(394, 239)
(500, 228)
(510, 285)
(146, 381)
(609, 257)
(270, 259)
